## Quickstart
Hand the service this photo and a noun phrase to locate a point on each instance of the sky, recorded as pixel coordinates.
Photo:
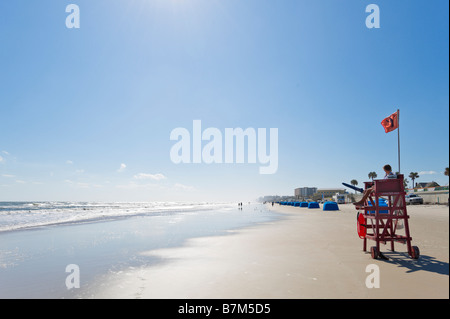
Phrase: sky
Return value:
(86, 113)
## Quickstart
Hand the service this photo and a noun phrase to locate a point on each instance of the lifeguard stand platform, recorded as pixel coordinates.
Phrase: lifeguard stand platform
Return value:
(384, 215)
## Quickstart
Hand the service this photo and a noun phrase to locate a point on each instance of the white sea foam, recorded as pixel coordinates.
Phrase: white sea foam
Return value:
(24, 215)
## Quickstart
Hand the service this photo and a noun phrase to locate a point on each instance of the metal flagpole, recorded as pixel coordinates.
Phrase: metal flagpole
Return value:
(398, 135)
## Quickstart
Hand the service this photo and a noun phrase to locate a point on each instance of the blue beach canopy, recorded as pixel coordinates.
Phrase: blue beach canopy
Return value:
(330, 206)
(313, 205)
(304, 204)
(381, 203)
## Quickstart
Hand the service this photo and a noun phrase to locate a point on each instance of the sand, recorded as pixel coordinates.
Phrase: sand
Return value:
(306, 254)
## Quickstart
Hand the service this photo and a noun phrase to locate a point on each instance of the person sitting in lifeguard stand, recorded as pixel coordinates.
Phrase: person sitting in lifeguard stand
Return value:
(388, 170)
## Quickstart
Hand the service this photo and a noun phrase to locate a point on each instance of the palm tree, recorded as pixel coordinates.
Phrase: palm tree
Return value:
(373, 175)
(354, 182)
(446, 171)
(413, 176)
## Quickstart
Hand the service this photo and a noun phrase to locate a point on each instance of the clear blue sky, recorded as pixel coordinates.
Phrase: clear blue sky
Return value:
(86, 114)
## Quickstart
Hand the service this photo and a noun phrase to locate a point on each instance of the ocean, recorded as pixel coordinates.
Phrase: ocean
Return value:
(38, 240)
(27, 215)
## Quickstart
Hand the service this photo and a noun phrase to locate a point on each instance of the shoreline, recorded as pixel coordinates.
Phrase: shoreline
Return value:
(33, 261)
(305, 254)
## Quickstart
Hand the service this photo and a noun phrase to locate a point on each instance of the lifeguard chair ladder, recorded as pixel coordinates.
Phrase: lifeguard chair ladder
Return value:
(382, 222)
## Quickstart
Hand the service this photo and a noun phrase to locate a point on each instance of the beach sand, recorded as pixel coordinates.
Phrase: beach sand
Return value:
(306, 254)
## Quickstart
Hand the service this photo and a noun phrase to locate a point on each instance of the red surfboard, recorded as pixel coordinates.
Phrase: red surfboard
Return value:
(361, 226)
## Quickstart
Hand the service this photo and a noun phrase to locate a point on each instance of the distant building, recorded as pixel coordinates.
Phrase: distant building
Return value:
(328, 192)
(427, 184)
(304, 192)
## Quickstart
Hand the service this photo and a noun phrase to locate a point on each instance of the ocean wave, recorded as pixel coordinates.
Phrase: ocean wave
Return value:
(26, 215)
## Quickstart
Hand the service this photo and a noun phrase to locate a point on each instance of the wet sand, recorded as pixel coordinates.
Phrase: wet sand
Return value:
(34, 261)
(308, 253)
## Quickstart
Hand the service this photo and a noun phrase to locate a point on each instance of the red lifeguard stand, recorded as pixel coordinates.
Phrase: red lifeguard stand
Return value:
(381, 220)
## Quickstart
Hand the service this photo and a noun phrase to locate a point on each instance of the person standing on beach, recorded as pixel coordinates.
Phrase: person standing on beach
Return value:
(389, 174)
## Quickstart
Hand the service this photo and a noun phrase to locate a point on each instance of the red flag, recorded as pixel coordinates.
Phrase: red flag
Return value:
(390, 123)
